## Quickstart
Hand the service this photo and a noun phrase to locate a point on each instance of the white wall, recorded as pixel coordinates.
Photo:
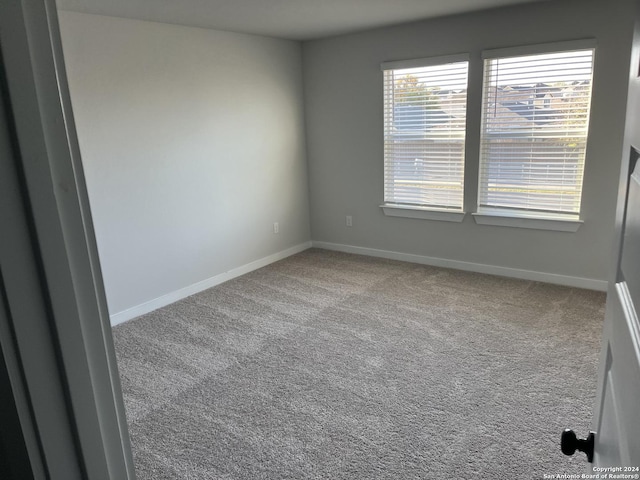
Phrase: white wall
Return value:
(192, 142)
(343, 102)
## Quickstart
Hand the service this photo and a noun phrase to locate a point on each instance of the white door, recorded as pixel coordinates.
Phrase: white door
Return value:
(617, 417)
(617, 411)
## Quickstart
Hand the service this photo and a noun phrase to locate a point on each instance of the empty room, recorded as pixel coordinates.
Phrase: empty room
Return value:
(334, 240)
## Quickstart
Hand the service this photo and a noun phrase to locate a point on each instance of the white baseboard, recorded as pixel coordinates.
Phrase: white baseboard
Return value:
(579, 282)
(176, 295)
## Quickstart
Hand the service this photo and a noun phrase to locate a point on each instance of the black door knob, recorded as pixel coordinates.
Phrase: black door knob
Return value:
(569, 443)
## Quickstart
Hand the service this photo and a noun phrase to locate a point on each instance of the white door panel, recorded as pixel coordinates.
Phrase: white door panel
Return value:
(630, 262)
(617, 443)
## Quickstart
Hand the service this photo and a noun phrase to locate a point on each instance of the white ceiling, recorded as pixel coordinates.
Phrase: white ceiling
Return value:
(291, 19)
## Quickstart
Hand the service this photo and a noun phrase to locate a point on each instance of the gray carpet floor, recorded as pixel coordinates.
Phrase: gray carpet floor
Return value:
(328, 365)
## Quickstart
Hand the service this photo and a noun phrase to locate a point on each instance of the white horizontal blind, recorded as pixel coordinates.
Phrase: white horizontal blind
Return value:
(424, 134)
(534, 133)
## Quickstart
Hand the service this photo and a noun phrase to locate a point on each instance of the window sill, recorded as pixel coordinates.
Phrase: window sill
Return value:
(514, 219)
(423, 213)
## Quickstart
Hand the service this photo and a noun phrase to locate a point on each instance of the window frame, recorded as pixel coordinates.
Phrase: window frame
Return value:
(424, 211)
(504, 216)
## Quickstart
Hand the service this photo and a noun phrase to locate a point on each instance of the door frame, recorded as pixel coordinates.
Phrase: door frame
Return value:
(56, 333)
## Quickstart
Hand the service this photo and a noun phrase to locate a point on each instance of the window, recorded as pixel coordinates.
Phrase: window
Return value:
(424, 135)
(534, 133)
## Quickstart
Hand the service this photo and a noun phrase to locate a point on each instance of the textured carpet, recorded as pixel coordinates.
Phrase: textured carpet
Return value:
(334, 366)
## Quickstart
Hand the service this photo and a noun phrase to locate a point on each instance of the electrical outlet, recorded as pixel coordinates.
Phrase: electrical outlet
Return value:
(276, 227)
(349, 221)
